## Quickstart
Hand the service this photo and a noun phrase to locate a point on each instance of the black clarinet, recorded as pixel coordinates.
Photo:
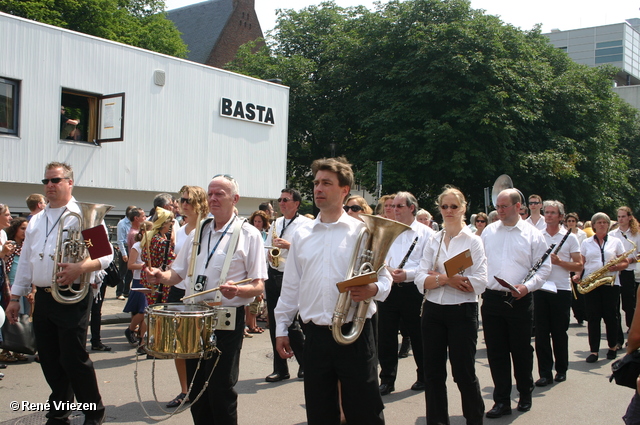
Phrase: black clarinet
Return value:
(531, 272)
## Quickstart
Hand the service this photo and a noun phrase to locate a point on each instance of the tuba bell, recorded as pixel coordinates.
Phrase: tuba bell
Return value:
(368, 256)
(72, 249)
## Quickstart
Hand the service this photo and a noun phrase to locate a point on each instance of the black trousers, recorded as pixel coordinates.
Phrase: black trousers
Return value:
(507, 335)
(603, 304)
(578, 304)
(272, 288)
(219, 404)
(61, 336)
(552, 315)
(354, 365)
(126, 276)
(452, 329)
(628, 294)
(96, 316)
(402, 305)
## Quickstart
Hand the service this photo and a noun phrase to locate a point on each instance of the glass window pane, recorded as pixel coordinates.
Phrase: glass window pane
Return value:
(8, 106)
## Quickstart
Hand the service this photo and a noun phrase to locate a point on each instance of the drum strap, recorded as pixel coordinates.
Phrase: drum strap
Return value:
(231, 249)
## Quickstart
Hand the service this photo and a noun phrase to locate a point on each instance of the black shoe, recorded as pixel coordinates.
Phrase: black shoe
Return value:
(612, 354)
(94, 421)
(100, 347)
(560, 377)
(418, 386)
(543, 382)
(300, 373)
(386, 389)
(498, 410)
(405, 346)
(176, 401)
(276, 377)
(3, 366)
(524, 405)
(131, 338)
(592, 358)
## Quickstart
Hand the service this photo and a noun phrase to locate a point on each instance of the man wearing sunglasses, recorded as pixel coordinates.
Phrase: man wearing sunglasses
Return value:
(60, 329)
(279, 237)
(404, 300)
(536, 219)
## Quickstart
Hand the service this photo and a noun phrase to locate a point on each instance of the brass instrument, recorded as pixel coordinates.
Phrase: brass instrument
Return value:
(275, 252)
(371, 248)
(599, 277)
(73, 249)
(503, 182)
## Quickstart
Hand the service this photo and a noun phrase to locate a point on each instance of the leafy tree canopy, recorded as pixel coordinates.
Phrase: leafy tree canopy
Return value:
(141, 23)
(445, 94)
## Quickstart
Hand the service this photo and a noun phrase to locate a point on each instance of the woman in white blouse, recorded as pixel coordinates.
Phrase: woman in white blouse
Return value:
(450, 312)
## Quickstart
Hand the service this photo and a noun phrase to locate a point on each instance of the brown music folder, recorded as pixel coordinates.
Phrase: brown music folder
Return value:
(363, 279)
(459, 263)
(97, 242)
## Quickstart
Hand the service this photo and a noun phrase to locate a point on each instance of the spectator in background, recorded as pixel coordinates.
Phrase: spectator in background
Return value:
(35, 203)
(124, 225)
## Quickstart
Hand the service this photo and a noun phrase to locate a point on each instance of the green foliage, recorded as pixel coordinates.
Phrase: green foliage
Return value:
(140, 23)
(445, 94)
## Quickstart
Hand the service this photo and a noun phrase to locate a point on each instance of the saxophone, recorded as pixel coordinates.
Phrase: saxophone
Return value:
(275, 252)
(599, 278)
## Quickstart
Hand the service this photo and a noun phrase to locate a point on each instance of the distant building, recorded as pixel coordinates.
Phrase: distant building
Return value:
(616, 44)
(213, 30)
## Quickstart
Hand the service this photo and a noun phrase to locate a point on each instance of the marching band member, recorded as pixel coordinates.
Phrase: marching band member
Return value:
(219, 403)
(60, 329)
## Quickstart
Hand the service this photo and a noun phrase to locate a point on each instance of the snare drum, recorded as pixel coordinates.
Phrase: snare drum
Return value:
(180, 331)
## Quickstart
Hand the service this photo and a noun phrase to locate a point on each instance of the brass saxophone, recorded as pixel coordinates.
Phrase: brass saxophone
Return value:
(599, 278)
(275, 252)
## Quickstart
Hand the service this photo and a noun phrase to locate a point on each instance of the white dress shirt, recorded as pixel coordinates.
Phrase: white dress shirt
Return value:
(592, 254)
(403, 243)
(511, 251)
(248, 260)
(540, 225)
(560, 276)
(626, 244)
(290, 229)
(319, 258)
(477, 273)
(181, 238)
(37, 269)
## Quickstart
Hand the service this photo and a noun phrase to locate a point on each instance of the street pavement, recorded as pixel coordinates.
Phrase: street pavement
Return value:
(586, 397)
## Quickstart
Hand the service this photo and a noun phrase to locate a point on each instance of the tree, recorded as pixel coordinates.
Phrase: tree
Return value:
(445, 94)
(141, 23)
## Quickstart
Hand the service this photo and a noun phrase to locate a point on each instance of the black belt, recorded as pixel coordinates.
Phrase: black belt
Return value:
(403, 284)
(495, 293)
(44, 288)
(313, 325)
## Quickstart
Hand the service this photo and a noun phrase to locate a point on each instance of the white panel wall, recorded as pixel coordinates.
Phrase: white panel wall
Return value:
(173, 135)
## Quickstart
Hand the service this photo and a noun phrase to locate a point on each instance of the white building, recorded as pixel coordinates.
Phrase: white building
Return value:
(171, 122)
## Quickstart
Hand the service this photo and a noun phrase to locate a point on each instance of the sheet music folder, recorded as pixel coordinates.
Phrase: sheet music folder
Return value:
(458, 264)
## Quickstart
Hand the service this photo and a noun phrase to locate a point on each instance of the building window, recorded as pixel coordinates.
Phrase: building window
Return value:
(609, 51)
(9, 106)
(91, 118)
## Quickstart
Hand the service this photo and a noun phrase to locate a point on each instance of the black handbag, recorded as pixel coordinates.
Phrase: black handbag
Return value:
(20, 337)
(112, 278)
(626, 370)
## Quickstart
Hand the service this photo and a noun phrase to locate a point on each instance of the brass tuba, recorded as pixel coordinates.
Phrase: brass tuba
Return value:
(72, 249)
(599, 277)
(368, 256)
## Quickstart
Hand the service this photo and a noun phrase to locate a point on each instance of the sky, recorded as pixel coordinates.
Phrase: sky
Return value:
(561, 14)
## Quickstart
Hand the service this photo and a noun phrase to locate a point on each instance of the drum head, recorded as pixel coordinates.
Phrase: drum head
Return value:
(181, 308)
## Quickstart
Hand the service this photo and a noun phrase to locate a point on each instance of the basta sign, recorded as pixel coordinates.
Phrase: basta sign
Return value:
(246, 111)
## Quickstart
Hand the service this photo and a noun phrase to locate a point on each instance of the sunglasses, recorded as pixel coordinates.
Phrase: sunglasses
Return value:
(185, 200)
(55, 180)
(354, 208)
(397, 206)
(481, 221)
(285, 200)
(446, 207)
(226, 176)
(534, 203)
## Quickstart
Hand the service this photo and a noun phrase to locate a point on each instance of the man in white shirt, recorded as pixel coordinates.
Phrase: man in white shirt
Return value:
(536, 219)
(219, 403)
(283, 228)
(512, 247)
(552, 304)
(60, 329)
(319, 258)
(404, 300)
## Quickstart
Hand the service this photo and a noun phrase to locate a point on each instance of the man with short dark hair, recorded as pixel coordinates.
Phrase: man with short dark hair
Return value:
(282, 230)
(60, 329)
(268, 208)
(35, 203)
(126, 275)
(319, 258)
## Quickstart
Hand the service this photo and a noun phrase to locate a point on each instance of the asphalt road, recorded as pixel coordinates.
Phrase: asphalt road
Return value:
(586, 397)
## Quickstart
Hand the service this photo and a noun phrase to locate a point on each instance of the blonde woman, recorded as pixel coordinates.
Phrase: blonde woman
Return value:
(357, 205)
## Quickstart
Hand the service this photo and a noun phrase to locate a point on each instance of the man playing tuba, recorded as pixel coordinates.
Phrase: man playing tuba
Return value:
(60, 328)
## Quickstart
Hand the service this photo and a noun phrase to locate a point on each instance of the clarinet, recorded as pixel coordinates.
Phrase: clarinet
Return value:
(564, 239)
(531, 272)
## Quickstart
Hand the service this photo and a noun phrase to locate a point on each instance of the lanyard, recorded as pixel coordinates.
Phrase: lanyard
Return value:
(604, 241)
(226, 229)
(285, 225)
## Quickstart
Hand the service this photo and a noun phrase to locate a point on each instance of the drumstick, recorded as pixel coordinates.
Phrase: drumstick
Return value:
(240, 282)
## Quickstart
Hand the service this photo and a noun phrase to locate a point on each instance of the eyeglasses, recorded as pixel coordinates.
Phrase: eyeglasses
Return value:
(285, 200)
(397, 206)
(226, 176)
(481, 221)
(446, 207)
(534, 203)
(185, 200)
(354, 208)
(523, 214)
(55, 180)
(504, 207)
